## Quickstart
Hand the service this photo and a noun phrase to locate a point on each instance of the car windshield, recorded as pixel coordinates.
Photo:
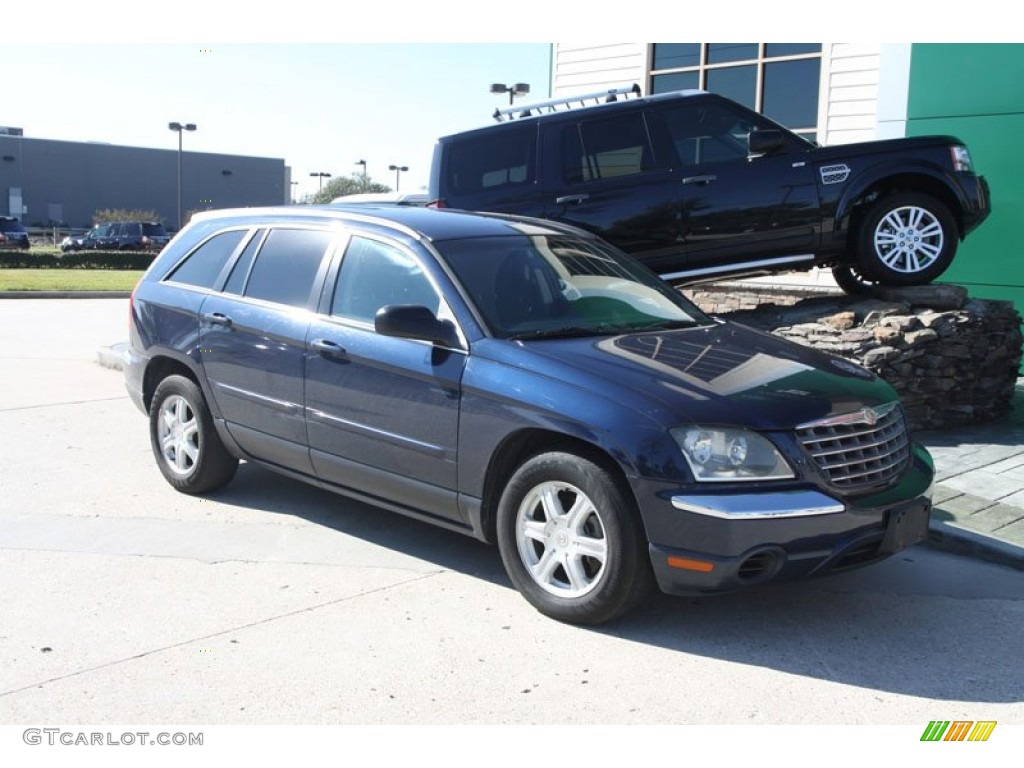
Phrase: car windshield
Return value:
(547, 286)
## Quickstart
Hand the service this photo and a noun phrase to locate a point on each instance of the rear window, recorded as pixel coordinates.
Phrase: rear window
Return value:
(501, 159)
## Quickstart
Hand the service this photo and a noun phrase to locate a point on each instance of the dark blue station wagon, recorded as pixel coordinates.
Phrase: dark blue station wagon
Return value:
(523, 382)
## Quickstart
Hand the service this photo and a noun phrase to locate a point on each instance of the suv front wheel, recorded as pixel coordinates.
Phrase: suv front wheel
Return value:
(906, 239)
(188, 449)
(571, 541)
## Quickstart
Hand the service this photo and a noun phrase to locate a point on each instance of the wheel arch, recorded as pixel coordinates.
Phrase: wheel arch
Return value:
(158, 369)
(859, 199)
(524, 444)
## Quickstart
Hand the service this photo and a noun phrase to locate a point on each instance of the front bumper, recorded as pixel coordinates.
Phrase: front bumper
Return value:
(717, 542)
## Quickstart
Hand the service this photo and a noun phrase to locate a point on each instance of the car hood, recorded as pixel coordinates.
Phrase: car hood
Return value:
(722, 373)
(882, 146)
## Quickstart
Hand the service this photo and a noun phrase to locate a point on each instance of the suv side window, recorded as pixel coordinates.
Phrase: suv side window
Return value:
(205, 263)
(374, 274)
(708, 133)
(605, 149)
(491, 162)
(286, 266)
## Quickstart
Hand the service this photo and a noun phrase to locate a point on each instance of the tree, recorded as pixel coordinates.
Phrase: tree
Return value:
(347, 185)
(120, 214)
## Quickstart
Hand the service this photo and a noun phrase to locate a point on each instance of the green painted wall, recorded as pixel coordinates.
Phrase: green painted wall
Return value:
(974, 91)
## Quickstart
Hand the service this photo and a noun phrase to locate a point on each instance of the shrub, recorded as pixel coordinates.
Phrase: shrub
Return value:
(77, 260)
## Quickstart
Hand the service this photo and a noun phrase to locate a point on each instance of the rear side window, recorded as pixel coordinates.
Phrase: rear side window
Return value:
(502, 159)
(206, 262)
(154, 230)
(286, 266)
(606, 149)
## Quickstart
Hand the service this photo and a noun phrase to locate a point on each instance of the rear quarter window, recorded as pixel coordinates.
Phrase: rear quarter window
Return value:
(497, 160)
(204, 265)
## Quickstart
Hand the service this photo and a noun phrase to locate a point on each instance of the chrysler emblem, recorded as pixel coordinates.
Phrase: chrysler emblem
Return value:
(870, 415)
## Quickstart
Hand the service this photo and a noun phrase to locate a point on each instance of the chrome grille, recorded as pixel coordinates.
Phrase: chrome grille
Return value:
(859, 450)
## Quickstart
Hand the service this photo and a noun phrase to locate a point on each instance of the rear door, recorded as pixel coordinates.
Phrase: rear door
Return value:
(253, 341)
(603, 175)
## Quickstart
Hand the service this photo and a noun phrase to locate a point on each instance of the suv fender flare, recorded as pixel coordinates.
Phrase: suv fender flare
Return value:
(879, 173)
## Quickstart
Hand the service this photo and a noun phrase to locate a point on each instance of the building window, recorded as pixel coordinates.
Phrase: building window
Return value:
(779, 80)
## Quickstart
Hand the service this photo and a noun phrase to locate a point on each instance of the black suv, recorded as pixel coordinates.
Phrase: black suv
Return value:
(699, 187)
(12, 233)
(523, 382)
(137, 236)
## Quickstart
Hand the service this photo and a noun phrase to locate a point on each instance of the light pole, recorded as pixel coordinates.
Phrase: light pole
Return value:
(398, 169)
(321, 176)
(365, 181)
(518, 89)
(178, 128)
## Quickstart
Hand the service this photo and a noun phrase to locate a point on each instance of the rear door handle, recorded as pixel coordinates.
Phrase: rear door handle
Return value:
(218, 318)
(572, 199)
(328, 348)
(705, 179)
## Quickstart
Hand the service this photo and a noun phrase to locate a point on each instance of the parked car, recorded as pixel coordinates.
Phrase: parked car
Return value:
(138, 236)
(12, 233)
(96, 239)
(523, 382)
(396, 198)
(699, 187)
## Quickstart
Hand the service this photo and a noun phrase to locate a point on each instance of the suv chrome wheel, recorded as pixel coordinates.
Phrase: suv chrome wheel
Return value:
(906, 239)
(178, 433)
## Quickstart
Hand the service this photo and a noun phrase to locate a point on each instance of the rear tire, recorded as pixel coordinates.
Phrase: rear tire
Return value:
(853, 281)
(571, 540)
(188, 449)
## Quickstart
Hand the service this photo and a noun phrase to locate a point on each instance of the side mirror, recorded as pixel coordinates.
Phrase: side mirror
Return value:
(766, 141)
(406, 321)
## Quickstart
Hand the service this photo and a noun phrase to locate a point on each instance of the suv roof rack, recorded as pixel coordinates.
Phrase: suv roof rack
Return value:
(568, 102)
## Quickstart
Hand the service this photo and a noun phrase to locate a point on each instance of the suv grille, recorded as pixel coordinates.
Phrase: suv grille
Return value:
(869, 447)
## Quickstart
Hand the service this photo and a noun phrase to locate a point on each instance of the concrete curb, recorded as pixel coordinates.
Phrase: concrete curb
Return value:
(111, 357)
(960, 541)
(65, 294)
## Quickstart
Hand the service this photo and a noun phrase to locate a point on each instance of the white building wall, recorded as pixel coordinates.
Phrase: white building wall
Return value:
(589, 67)
(848, 101)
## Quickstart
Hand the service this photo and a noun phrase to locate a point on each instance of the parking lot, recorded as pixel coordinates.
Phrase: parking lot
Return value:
(274, 602)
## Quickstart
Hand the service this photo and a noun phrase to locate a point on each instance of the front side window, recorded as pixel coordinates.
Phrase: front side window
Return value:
(374, 274)
(708, 132)
(205, 263)
(286, 266)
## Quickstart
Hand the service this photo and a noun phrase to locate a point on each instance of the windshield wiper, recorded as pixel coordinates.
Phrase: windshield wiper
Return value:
(564, 332)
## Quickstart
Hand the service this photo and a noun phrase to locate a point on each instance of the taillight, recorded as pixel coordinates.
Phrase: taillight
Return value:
(439, 203)
(145, 240)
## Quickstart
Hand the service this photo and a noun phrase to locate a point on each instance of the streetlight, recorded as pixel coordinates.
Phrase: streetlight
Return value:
(178, 128)
(398, 169)
(321, 176)
(364, 184)
(518, 89)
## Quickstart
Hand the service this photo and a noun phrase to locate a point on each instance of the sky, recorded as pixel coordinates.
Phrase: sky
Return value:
(320, 107)
(322, 86)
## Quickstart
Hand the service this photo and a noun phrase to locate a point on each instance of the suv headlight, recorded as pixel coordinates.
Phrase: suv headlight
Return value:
(718, 455)
(961, 158)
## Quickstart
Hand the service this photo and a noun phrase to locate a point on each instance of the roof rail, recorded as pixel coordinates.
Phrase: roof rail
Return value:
(568, 102)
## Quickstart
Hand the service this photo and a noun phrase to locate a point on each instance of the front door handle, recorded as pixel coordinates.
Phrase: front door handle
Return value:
(707, 178)
(218, 318)
(328, 348)
(572, 199)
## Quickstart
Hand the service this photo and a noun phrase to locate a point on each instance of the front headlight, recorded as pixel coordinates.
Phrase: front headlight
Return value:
(719, 455)
(961, 158)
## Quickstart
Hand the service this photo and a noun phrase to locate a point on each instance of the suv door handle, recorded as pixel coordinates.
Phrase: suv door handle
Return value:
(218, 318)
(705, 179)
(328, 348)
(571, 199)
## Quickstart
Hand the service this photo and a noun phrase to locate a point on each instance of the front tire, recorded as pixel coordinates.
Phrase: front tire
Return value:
(188, 449)
(571, 540)
(853, 281)
(906, 239)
